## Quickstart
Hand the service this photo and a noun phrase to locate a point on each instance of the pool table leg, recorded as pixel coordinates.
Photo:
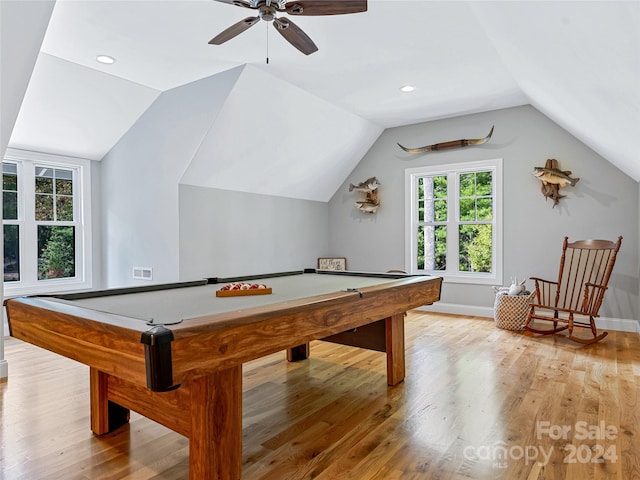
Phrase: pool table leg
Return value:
(215, 443)
(394, 340)
(299, 352)
(106, 416)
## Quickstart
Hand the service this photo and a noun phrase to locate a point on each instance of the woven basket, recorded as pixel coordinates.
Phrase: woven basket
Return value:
(510, 311)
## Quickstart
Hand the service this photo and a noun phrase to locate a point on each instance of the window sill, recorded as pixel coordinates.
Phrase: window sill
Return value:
(51, 286)
(471, 279)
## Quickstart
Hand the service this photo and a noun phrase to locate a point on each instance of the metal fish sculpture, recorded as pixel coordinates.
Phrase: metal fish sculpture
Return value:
(451, 144)
(555, 176)
(369, 185)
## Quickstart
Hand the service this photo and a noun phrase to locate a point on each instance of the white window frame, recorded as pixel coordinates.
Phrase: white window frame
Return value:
(29, 284)
(452, 171)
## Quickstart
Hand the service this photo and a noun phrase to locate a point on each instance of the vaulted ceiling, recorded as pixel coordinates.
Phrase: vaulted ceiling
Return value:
(576, 62)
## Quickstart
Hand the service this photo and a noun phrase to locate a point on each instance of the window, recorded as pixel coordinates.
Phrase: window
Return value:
(46, 222)
(454, 221)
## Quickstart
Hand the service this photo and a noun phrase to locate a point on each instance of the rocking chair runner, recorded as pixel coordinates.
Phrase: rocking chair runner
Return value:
(585, 268)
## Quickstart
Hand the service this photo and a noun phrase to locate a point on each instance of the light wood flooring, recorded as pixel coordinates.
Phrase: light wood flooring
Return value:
(478, 403)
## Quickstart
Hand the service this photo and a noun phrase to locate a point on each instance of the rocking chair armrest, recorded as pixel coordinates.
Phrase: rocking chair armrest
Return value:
(545, 291)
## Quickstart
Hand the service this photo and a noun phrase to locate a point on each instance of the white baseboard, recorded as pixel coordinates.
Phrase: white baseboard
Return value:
(456, 309)
(619, 324)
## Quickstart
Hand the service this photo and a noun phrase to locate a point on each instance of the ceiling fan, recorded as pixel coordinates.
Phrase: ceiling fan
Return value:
(267, 9)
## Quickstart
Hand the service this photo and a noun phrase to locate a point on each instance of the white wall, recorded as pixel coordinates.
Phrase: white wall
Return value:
(226, 233)
(274, 138)
(604, 203)
(140, 177)
(19, 47)
(96, 224)
(191, 232)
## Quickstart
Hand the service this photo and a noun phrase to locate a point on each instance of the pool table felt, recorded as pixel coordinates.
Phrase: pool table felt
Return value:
(171, 306)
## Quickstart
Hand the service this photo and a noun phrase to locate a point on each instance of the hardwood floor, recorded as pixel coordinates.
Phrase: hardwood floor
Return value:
(478, 403)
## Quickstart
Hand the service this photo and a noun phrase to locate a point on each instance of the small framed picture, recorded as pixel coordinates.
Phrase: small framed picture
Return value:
(335, 264)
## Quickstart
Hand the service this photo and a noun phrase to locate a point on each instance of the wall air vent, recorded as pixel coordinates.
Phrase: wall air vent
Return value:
(142, 273)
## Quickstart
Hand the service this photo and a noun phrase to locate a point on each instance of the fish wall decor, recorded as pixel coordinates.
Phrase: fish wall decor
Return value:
(370, 202)
(553, 179)
(450, 144)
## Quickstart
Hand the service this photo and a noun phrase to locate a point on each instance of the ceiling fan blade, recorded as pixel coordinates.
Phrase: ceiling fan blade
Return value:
(234, 30)
(325, 7)
(294, 35)
(238, 3)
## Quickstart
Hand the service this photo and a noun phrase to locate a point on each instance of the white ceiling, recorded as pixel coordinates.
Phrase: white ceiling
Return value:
(576, 62)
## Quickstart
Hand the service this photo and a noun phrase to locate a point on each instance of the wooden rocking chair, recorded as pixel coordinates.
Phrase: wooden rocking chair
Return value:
(585, 268)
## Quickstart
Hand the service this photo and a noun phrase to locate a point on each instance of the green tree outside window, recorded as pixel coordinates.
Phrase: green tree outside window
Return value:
(475, 215)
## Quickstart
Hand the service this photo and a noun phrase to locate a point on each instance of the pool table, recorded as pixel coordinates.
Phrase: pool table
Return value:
(174, 352)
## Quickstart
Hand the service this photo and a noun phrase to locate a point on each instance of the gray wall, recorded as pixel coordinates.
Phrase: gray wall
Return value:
(186, 232)
(150, 219)
(225, 233)
(604, 204)
(140, 178)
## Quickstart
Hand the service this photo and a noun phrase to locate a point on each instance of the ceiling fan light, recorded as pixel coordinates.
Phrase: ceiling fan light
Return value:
(106, 59)
(407, 88)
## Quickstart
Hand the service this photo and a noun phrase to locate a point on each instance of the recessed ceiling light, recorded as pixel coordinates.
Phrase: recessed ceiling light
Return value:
(105, 59)
(407, 88)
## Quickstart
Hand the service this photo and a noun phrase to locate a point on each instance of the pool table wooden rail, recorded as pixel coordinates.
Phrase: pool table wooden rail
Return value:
(111, 343)
(257, 332)
(102, 340)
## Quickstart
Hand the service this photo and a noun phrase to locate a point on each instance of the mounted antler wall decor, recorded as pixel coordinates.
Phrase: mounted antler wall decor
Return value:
(553, 179)
(369, 188)
(446, 145)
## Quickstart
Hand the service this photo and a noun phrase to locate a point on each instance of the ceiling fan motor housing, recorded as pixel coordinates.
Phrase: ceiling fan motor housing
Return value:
(267, 13)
